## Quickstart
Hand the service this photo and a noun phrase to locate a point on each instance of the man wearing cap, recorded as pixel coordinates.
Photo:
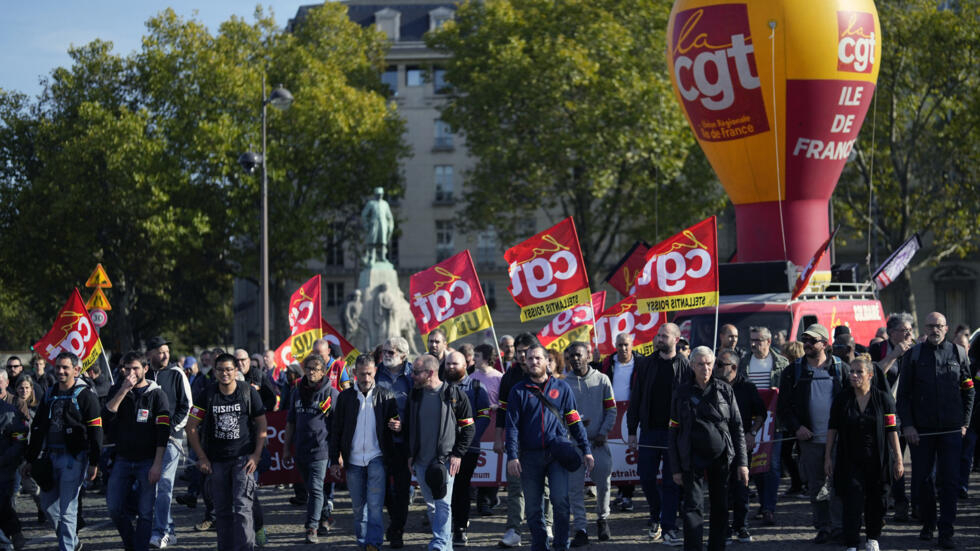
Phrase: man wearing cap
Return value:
(440, 427)
(806, 389)
(174, 383)
(361, 441)
(935, 403)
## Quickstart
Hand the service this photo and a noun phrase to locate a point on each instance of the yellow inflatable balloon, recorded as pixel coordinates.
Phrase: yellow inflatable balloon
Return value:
(776, 92)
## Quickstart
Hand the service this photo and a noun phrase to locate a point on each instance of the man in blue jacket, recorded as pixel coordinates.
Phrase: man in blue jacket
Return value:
(531, 429)
(308, 427)
(479, 400)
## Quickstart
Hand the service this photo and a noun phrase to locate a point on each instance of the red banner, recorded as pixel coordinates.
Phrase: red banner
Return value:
(448, 296)
(804, 279)
(73, 331)
(572, 325)
(761, 453)
(304, 313)
(623, 317)
(347, 351)
(283, 357)
(681, 273)
(624, 276)
(547, 273)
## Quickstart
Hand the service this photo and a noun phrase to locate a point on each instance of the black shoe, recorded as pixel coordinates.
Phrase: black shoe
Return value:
(602, 527)
(297, 501)
(768, 518)
(484, 509)
(187, 500)
(822, 537)
(322, 531)
(946, 542)
(42, 517)
(915, 512)
(925, 534)
(395, 539)
(80, 523)
(459, 538)
(581, 539)
(901, 513)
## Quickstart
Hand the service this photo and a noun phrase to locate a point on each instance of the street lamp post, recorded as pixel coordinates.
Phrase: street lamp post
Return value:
(281, 99)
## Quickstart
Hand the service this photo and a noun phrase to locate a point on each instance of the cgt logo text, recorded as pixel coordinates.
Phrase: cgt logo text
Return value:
(856, 41)
(78, 334)
(301, 314)
(441, 304)
(539, 274)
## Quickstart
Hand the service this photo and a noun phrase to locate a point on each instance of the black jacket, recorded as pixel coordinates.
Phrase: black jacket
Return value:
(935, 390)
(456, 425)
(140, 425)
(84, 421)
(684, 412)
(511, 377)
(13, 441)
(642, 394)
(174, 383)
(750, 404)
(345, 421)
(882, 406)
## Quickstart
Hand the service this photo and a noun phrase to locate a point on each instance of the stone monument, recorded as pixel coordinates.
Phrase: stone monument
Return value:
(378, 310)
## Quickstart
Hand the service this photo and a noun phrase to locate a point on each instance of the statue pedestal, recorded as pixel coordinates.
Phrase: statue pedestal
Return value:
(385, 312)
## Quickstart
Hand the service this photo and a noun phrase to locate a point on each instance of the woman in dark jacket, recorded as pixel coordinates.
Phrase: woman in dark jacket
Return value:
(862, 424)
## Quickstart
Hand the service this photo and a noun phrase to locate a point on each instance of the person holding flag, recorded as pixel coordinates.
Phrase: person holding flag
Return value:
(68, 429)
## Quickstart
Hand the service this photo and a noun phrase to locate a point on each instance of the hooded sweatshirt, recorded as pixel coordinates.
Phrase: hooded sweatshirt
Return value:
(595, 401)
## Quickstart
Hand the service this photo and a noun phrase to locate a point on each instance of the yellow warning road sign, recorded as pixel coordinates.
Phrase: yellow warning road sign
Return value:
(99, 279)
(98, 300)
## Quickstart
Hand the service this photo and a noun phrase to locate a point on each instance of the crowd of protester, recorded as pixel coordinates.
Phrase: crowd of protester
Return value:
(846, 414)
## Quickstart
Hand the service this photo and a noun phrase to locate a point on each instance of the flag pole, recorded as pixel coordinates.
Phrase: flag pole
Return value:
(496, 346)
(714, 343)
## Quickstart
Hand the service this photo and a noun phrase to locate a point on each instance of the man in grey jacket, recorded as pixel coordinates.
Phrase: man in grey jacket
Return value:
(596, 405)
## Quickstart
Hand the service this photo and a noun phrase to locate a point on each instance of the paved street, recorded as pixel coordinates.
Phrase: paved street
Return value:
(284, 524)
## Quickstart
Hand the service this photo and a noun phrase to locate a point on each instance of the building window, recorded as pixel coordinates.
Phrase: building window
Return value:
(439, 84)
(444, 136)
(389, 22)
(414, 76)
(487, 248)
(390, 79)
(489, 293)
(955, 294)
(335, 293)
(444, 184)
(335, 253)
(444, 239)
(438, 17)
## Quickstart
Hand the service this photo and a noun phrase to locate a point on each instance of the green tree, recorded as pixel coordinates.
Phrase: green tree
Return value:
(568, 106)
(919, 149)
(132, 161)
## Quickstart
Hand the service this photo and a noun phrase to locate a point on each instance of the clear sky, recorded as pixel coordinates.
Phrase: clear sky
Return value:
(35, 34)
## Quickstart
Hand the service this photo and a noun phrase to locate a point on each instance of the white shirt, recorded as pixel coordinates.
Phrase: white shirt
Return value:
(364, 446)
(760, 371)
(622, 377)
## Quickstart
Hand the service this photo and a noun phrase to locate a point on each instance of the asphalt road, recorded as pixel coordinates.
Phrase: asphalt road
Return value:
(284, 523)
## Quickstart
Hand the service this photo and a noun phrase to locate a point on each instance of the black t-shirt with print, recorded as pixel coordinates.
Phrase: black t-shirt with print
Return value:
(230, 422)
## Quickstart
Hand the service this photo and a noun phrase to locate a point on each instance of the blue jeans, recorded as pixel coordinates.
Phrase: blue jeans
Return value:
(367, 495)
(61, 502)
(313, 473)
(163, 523)
(440, 511)
(943, 452)
(966, 458)
(768, 482)
(535, 466)
(665, 498)
(125, 474)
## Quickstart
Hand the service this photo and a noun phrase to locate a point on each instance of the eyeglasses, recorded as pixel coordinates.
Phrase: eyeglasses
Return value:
(312, 369)
(809, 340)
(727, 364)
(224, 369)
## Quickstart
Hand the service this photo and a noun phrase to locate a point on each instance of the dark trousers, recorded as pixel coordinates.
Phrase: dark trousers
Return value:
(233, 492)
(461, 491)
(715, 476)
(864, 492)
(626, 490)
(943, 452)
(9, 522)
(898, 485)
(396, 498)
(966, 458)
(739, 494)
(788, 463)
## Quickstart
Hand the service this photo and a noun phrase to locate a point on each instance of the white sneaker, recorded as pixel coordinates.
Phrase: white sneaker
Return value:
(673, 538)
(872, 545)
(155, 541)
(511, 539)
(167, 540)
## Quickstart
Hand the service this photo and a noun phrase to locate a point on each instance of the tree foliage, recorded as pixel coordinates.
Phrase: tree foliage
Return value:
(132, 161)
(568, 106)
(920, 147)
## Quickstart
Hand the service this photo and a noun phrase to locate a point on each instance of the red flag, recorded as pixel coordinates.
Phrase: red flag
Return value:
(807, 273)
(624, 317)
(283, 358)
(681, 273)
(572, 325)
(624, 276)
(74, 332)
(304, 315)
(547, 273)
(448, 296)
(347, 351)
